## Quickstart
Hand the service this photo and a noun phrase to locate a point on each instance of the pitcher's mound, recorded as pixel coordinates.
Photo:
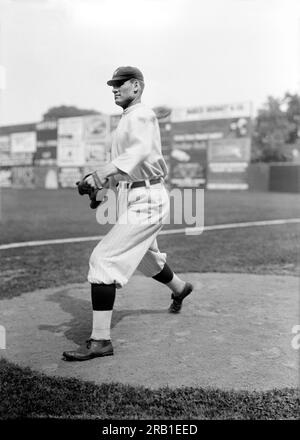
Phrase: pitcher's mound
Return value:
(234, 332)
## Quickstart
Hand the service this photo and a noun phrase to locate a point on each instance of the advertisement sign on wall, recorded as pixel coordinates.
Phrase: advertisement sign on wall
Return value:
(5, 159)
(23, 177)
(229, 150)
(4, 144)
(70, 129)
(213, 129)
(96, 127)
(23, 142)
(45, 156)
(188, 165)
(46, 131)
(22, 158)
(166, 135)
(5, 177)
(95, 153)
(46, 177)
(96, 138)
(68, 177)
(228, 162)
(70, 154)
(70, 147)
(227, 181)
(46, 152)
(224, 111)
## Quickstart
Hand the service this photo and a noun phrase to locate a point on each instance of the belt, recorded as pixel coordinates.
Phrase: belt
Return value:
(141, 183)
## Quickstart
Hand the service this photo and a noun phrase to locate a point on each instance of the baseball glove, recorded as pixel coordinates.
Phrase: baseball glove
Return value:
(84, 188)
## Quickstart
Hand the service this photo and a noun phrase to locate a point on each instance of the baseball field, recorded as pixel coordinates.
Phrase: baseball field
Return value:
(34, 215)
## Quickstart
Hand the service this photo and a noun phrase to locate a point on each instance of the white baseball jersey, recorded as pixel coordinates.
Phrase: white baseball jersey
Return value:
(136, 145)
(131, 242)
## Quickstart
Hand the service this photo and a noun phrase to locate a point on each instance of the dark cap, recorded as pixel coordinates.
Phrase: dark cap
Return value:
(125, 73)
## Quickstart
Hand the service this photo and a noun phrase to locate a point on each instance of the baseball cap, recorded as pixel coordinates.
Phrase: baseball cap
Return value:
(124, 73)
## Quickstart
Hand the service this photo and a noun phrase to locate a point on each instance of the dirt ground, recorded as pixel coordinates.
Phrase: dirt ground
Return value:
(234, 332)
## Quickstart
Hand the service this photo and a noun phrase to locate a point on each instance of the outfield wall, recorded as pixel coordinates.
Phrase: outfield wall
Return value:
(202, 146)
(258, 176)
(211, 146)
(284, 178)
(206, 146)
(278, 177)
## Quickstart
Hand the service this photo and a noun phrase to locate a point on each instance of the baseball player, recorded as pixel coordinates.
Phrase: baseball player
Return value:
(137, 168)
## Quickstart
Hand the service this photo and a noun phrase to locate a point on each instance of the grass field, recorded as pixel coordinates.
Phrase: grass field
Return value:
(27, 394)
(41, 214)
(46, 214)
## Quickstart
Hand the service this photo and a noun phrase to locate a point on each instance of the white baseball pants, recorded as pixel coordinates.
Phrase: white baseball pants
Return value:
(131, 243)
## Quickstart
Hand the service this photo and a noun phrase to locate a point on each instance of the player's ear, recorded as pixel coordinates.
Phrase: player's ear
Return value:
(136, 86)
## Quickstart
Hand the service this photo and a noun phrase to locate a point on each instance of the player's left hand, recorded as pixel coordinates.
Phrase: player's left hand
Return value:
(91, 181)
(102, 174)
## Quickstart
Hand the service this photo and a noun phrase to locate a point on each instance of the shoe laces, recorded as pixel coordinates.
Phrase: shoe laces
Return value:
(89, 342)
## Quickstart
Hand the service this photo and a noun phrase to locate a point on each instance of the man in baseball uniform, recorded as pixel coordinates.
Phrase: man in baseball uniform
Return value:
(137, 168)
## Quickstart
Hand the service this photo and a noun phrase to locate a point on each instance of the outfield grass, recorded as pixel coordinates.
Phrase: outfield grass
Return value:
(263, 250)
(36, 214)
(25, 393)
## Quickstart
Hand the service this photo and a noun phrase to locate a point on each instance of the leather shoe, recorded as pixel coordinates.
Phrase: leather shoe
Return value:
(176, 305)
(93, 348)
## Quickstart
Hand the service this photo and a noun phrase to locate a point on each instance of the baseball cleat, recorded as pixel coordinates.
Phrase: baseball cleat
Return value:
(176, 305)
(90, 350)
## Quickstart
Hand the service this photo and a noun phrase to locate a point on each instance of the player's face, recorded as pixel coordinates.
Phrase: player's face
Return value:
(124, 93)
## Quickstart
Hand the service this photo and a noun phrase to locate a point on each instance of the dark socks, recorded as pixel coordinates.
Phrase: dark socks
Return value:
(165, 275)
(103, 296)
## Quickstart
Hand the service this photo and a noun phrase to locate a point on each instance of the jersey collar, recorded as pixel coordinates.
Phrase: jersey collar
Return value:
(132, 107)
